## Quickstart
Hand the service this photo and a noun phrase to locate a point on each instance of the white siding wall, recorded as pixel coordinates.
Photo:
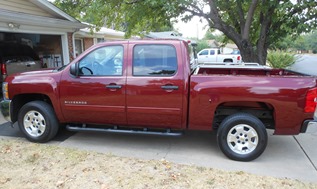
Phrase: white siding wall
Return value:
(23, 6)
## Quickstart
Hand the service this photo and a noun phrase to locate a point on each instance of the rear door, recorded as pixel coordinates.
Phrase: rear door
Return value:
(212, 57)
(155, 86)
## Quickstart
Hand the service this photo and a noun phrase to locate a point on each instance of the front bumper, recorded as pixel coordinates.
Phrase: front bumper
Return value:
(309, 126)
(5, 109)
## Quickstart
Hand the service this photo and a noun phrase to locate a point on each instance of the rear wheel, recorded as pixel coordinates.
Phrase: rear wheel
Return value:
(37, 121)
(242, 137)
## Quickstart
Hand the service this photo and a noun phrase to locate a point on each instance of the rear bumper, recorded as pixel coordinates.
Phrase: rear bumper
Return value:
(309, 126)
(5, 109)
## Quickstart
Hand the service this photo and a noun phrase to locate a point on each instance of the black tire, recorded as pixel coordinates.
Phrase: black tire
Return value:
(38, 122)
(242, 137)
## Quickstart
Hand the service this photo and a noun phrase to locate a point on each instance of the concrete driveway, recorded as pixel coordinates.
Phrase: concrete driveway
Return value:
(307, 63)
(285, 156)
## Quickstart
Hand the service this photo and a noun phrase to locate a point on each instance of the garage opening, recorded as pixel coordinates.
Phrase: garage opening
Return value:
(47, 47)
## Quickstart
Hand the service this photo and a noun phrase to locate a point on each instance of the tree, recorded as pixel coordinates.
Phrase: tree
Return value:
(311, 41)
(202, 44)
(133, 17)
(209, 35)
(253, 25)
(218, 37)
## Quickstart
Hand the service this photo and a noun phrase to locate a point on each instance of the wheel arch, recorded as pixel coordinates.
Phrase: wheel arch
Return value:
(20, 100)
(228, 60)
(262, 110)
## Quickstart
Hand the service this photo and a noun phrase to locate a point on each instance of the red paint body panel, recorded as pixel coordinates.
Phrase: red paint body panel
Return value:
(141, 101)
(286, 94)
(150, 105)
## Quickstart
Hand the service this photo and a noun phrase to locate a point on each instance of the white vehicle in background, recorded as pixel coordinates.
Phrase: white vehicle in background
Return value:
(214, 56)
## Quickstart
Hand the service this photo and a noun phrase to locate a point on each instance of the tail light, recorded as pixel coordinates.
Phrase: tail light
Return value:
(3, 69)
(239, 58)
(311, 101)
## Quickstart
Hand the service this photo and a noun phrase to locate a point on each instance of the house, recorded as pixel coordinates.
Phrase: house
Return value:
(54, 35)
(163, 35)
(84, 38)
(224, 48)
(41, 25)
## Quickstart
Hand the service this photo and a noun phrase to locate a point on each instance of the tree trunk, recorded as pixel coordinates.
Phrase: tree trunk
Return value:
(247, 52)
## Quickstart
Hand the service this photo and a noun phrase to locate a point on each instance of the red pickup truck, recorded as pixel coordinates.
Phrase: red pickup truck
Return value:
(148, 86)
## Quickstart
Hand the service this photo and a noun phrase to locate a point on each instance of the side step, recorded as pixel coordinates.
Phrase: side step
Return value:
(126, 131)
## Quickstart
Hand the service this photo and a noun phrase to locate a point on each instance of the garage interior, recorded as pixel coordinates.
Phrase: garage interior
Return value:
(48, 47)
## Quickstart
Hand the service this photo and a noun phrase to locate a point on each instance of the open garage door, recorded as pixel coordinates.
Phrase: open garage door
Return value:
(47, 47)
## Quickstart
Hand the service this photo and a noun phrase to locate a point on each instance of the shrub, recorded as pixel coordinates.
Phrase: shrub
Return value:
(281, 59)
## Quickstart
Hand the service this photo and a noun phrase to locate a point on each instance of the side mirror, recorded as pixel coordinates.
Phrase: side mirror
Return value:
(74, 69)
(194, 46)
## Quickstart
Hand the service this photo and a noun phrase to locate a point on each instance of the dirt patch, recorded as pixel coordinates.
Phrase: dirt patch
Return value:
(29, 165)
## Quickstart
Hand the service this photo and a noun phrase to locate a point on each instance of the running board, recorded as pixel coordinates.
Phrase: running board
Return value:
(126, 131)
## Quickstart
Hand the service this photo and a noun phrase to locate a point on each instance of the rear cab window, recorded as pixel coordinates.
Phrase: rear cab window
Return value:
(154, 60)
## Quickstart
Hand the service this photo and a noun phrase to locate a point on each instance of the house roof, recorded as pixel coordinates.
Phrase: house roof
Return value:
(51, 8)
(59, 19)
(167, 34)
(102, 33)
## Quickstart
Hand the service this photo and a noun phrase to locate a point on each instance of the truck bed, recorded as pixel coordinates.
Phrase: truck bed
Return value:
(255, 70)
(281, 92)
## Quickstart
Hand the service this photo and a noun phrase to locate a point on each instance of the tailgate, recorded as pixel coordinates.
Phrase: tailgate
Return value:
(17, 67)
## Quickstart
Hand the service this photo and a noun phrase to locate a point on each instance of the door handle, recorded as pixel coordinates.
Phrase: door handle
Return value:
(113, 86)
(169, 87)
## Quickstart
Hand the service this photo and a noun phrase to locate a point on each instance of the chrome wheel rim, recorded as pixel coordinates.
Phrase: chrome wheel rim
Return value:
(34, 123)
(242, 139)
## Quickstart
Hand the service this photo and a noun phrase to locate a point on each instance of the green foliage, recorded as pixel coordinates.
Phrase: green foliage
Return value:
(304, 42)
(311, 41)
(132, 16)
(209, 35)
(202, 44)
(253, 25)
(281, 59)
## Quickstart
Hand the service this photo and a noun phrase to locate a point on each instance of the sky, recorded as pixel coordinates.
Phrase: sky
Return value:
(193, 29)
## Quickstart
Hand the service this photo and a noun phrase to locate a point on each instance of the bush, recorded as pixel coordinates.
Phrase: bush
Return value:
(281, 59)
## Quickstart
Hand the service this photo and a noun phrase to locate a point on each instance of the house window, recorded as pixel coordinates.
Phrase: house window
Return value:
(100, 40)
(79, 47)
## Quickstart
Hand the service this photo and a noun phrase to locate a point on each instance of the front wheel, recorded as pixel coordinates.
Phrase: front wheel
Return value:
(242, 137)
(37, 121)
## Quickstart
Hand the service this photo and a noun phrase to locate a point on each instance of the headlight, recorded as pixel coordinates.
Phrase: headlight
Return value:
(5, 90)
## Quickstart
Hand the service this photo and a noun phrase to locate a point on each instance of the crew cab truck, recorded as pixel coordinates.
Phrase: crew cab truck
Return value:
(214, 56)
(148, 86)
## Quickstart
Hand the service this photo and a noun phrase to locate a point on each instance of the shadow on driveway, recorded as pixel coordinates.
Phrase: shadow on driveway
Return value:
(13, 131)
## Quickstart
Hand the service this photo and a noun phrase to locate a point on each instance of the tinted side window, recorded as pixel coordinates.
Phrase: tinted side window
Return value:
(106, 61)
(212, 52)
(204, 52)
(154, 60)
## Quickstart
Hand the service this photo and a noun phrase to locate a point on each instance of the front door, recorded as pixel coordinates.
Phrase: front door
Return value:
(97, 95)
(155, 86)
(203, 56)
